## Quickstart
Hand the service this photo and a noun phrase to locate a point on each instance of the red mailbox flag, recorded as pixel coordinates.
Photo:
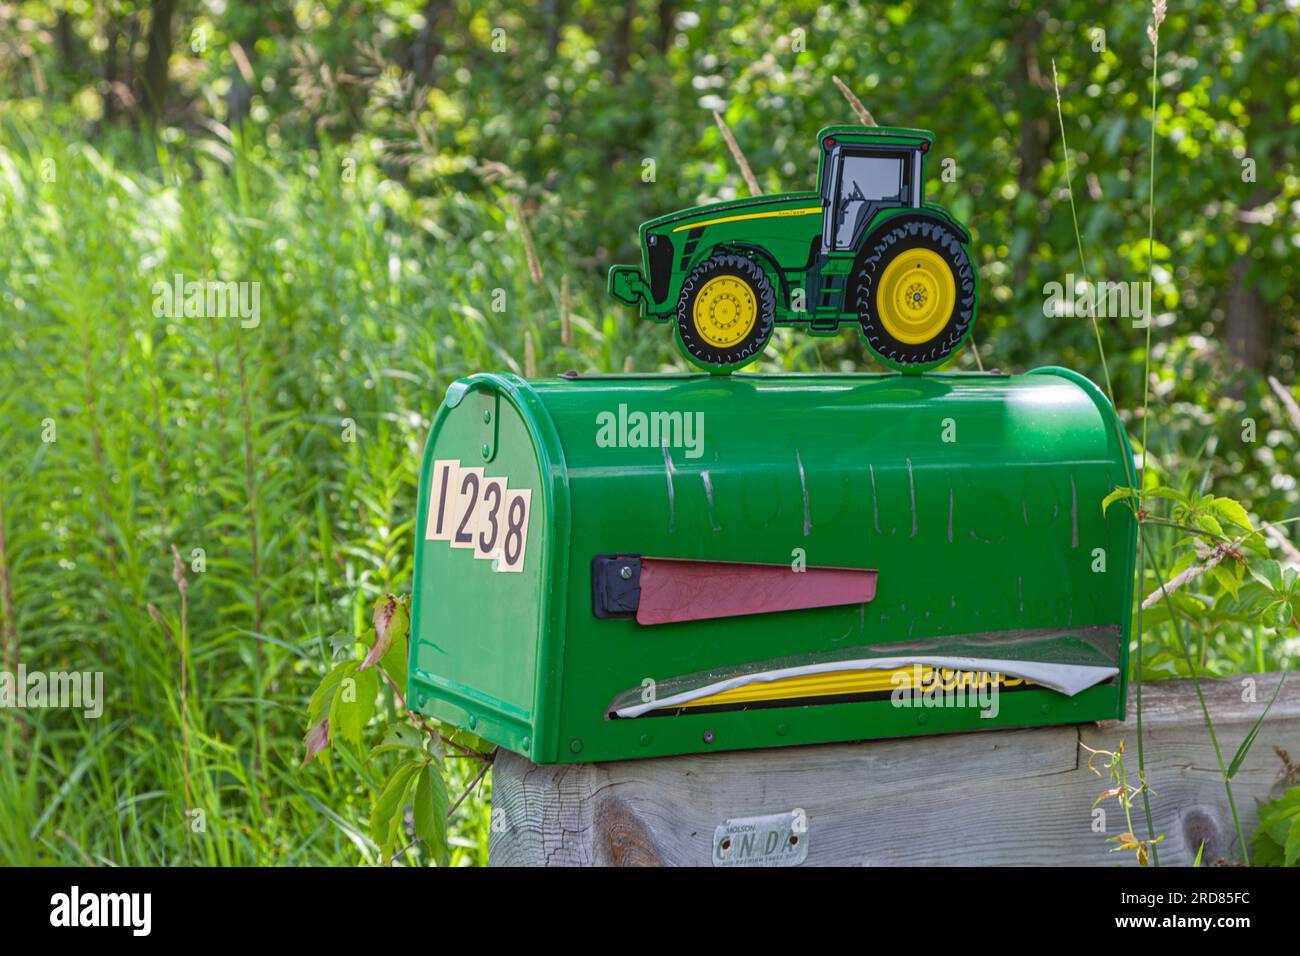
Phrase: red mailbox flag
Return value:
(674, 590)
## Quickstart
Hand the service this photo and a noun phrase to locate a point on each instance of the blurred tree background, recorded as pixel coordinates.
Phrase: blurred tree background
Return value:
(384, 169)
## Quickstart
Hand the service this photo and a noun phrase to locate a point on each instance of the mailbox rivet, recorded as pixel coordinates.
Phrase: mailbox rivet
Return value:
(487, 450)
(487, 416)
(625, 573)
(575, 745)
(708, 736)
(782, 730)
(527, 742)
(920, 718)
(645, 740)
(1046, 708)
(473, 721)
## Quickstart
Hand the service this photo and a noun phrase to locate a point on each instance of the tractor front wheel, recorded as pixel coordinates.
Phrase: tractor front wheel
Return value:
(725, 313)
(915, 295)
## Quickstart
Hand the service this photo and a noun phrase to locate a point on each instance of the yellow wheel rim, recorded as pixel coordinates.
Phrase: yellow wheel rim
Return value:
(916, 296)
(725, 311)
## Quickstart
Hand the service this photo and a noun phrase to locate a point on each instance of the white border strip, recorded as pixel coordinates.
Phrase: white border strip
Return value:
(1069, 679)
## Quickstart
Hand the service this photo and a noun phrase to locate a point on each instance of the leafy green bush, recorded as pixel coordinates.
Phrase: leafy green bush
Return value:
(1277, 839)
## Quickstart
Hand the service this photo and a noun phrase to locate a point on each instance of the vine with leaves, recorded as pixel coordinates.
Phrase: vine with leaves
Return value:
(411, 752)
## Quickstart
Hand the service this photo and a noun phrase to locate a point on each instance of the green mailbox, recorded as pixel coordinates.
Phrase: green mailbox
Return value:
(611, 567)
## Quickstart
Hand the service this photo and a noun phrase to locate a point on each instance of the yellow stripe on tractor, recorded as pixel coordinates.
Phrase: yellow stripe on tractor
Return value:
(752, 215)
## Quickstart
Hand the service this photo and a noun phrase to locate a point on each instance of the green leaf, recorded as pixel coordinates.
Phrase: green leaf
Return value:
(1275, 817)
(1232, 511)
(1268, 852)
(468, 740)
(1163, 666)
(1256, 545)
(1250, 737)
(1168, 663)
(400, 736)
(323, 697)
(1277, 615)
(1211, 524)
(1196, 863)
(353, 706)
(1121, 493)
(387, 811)
(1168, 494)
(431, 808)
(1185, 561)
(1227, 577)
(1292, 847)
(1267, 572)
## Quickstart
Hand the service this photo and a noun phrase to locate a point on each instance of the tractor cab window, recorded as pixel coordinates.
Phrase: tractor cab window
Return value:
(866, 183)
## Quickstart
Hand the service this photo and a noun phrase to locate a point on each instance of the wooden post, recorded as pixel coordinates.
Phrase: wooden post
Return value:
(991, 798)
(864, 117)
(737, 155)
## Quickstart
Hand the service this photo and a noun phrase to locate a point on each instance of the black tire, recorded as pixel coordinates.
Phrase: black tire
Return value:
(712, 357)
(878, 251)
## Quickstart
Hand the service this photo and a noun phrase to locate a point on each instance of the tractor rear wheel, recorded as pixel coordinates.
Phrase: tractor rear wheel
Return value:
(914, 292)
(725, 313)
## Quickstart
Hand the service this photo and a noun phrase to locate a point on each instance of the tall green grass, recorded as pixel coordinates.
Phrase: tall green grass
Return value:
(200, 433)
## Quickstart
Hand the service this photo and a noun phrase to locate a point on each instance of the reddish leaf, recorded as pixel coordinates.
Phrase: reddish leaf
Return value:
(392, 621)
(317, 739)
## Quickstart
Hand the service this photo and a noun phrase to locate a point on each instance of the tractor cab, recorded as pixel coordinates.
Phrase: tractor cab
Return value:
(861, 177)
(863, 173)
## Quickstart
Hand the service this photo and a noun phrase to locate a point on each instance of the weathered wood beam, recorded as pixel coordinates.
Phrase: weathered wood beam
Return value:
(1011, 797)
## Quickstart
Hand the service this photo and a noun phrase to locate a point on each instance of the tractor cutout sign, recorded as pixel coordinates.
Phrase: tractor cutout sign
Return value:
(866, 248)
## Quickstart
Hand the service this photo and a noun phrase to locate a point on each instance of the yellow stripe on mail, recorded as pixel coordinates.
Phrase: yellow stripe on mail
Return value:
(848, 682)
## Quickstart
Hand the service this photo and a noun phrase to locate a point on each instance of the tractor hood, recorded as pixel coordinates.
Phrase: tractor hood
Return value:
(733, 210)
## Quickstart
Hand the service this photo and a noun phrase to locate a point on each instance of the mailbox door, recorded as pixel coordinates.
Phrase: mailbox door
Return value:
(484, 551)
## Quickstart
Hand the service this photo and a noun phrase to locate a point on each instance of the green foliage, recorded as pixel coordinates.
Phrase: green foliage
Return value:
(431, 809)
(233, 444)
(1277, 841)
(1220, 578)
(342, 707)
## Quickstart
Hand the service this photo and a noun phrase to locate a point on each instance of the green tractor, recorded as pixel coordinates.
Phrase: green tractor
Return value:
(865, 248)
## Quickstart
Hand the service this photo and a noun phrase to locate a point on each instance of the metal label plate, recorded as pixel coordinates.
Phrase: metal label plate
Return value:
(780, 839)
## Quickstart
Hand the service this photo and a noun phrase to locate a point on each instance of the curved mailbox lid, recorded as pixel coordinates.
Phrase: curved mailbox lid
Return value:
(976, 497)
